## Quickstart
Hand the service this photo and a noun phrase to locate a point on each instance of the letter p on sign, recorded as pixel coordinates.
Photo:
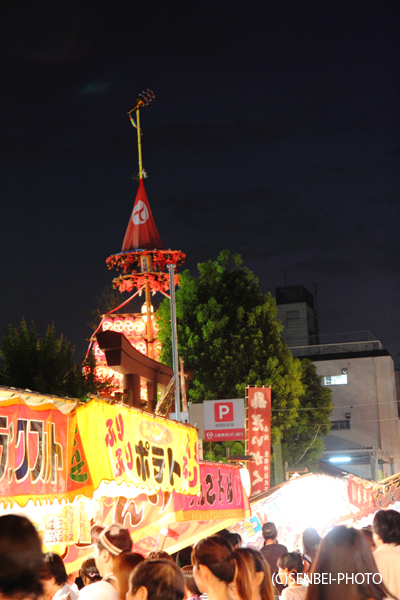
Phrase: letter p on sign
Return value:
(223, 411)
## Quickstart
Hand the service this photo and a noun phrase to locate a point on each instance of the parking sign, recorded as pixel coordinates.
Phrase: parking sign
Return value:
(224, 420)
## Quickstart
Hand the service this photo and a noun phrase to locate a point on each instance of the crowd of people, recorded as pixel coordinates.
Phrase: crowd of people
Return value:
(346, 563)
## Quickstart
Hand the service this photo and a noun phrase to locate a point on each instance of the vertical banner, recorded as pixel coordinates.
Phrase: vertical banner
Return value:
(259, 437)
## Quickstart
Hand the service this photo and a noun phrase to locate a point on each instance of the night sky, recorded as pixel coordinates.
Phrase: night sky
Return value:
(275, 133)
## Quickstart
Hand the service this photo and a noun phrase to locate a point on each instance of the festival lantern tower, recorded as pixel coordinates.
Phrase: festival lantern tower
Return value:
(142, 263)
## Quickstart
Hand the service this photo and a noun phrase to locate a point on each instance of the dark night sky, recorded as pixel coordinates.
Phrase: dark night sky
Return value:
(275, 133)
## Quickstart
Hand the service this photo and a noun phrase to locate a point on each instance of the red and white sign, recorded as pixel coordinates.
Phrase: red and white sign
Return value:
(259, 437)
(224, 420)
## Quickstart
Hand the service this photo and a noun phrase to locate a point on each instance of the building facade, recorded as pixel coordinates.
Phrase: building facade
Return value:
(365, 434)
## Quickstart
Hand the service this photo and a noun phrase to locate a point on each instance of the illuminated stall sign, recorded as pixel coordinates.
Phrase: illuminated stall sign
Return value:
(125, 446)
(36, 447)
(259, 442)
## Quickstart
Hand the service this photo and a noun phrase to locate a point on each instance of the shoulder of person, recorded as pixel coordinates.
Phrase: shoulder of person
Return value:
(101, 590)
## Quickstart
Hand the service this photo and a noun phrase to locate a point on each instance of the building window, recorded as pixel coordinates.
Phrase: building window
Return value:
(292, 315)
(335, 380)
(344, 424)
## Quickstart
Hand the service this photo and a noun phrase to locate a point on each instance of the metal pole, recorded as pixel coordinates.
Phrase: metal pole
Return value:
(139, 141)
(175, 363)
(149, 324)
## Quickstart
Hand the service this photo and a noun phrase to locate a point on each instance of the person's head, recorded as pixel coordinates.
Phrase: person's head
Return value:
(184, 557)
(111, 542)
(386, 525)
(232, 538)
(159, 555)
(345, 551)
(156, 580)
(20, 558)
(290, 565)
(53, 574)
(216, 563)
(261, 583)
(123, 565)
(369, 536)
(89, 572)
(269, 532)
(311, 540)
(191, 588)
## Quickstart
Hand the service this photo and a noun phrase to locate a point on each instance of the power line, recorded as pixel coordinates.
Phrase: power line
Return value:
(354, 405)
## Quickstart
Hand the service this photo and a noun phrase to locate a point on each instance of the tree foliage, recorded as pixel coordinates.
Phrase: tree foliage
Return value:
(229, 334)
(45, 365)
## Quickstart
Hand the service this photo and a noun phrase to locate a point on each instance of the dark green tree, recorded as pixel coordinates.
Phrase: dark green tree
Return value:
(45, 365)
(229, 334)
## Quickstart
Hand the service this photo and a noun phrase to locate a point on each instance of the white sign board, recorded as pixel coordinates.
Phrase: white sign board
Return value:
(224, 420)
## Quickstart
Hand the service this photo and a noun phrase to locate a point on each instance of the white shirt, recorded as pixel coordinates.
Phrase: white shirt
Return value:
(295, 592)
(101, 590)
(387, 558)
(65, 593)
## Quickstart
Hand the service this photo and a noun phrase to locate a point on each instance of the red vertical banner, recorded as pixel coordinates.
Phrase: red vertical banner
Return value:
(259, 437)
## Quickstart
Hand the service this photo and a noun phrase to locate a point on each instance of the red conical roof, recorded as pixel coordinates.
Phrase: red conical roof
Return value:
(141, 231)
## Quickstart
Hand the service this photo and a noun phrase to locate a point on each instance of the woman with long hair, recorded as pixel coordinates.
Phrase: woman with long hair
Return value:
(216, 565)
(261, 583)
(346, 568)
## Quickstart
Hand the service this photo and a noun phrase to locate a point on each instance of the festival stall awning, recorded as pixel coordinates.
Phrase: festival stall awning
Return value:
(316, 500)
(69, 467)
(171, 521)
(59, 450)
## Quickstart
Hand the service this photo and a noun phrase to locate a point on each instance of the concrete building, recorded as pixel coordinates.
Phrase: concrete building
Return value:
(296, 311)
(365, 434)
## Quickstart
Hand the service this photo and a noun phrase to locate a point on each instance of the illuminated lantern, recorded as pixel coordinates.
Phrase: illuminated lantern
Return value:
(139, 326)
(144, 312)
(142, 347)
(129, 325)
(118, 325)
(108, 324)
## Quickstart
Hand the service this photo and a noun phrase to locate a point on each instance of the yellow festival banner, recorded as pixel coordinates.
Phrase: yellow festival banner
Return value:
(126, 445)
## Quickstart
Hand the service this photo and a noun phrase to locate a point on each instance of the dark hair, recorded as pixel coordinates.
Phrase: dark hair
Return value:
(100, 547)
(291, 561)
(123, 566)
(311, 541)
(232, 539)
(225, 533)
(89, 570)
(159, 555)
(386, 525)
(190, 583)
(53, 566)
(368, 534)
(20, 558)
(257, 564)
(183, 557)
(217, 554)
(345, 551)
(162, 579)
